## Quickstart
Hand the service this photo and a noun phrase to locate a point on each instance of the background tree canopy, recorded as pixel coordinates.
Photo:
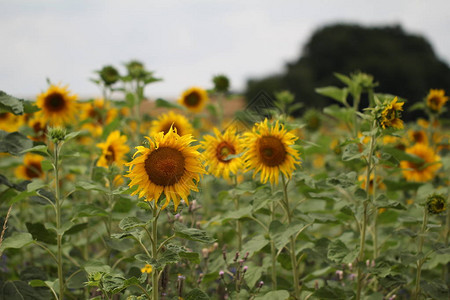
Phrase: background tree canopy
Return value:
(402, 63)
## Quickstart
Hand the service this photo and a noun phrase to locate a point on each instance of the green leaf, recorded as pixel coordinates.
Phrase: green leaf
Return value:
(76, 228)
(400, 155)
(196, 294)
(14, 143)
(338, 252)
(192, 234)
(255, 244)
(89, 210)
(40, 233)
(17, 290)
(11, 104)
(16, 241)
(129, 223)
(237, 214)
(40, 149)
(110, 128)
(166, 104)
(331, 292)
(281, 234)
(90, 186)
(96, 266)
(333, 92)
(274, 295)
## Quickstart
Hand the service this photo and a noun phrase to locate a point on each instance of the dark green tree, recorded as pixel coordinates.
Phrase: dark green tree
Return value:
(404, 64)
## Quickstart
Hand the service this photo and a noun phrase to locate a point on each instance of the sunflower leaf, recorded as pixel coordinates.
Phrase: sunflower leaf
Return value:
(192, 234)
(11, 104)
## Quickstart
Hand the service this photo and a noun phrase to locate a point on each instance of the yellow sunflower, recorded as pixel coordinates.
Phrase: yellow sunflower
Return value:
(421, 172)
(269, 151)
(178, 122)
(217, 151)
(58, 106)
(436, 99)
(31, 167)
(113, 150)
(146, 269)
(39, 129)
(379, 183)
(390, 116)
(417, 137)
(10, 122)
(99, 113)
(170, 165)
(194, 99)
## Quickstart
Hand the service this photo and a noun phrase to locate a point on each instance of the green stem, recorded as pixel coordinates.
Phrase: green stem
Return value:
(292, 242)
(58, 222)
(356, 99)
(421, 260)
(363, 226)
(273, 251)
(155, 292)
(446, 238)
(238, 222)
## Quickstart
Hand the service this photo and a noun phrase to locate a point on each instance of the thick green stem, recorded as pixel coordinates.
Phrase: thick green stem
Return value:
(273, 251)
(363, 226)
(295, 274)
(238, 222)
(421, 260)
(58, 222)
(155, 284)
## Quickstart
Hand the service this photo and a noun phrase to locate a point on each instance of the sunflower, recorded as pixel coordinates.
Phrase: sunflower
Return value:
(147, 269)
(31, 167)
(10, 122)
(436, 99)
(390, 116)
(269, 151)
(417, 137)
(178, 122)
(379, 183)
(113, 150)
(99, 113)
(424, 171)
(58, 106)
(170, 165)
(194, 99)
(39, 129)
(217, 152)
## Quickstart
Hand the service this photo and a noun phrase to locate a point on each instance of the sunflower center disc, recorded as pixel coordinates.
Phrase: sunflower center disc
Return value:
(110, 155)
(272, 151)
(434, 102)
(165, 166)
(33, 170)
(3, 116)
(166, 128)
(223, 150)
(192, 99)
(55, 102)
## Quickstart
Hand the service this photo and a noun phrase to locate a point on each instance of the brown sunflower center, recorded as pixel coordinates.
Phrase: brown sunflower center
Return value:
(110, 156)
(434, 102)
(3, 116)
(418, 136)
(55, 102)
(192, 99)
(165, 166)
(166, 128)
(33, 170)
(223, 150)
(272, 151)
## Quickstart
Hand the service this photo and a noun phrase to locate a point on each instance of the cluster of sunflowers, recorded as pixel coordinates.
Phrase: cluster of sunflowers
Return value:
(348, 157)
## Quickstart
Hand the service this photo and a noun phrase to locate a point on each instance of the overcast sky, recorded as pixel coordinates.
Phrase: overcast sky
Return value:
(184, 42)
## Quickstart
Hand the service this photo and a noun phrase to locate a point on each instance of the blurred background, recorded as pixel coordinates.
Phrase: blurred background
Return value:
(270, 45)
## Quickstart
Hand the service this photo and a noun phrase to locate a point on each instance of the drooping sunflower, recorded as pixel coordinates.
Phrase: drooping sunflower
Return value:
(31, 167)
(174, 120)
(218, 148)
(170, 165)
(58, 106)
(194, 99)
(269, 151)
(424, 171)
(390, 115)
(436, 99)
(113, 150)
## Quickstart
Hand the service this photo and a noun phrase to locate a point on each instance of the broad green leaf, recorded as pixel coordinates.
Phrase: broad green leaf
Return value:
(237, 214)
(17, 290)
(40, 149)
(333, 92)
(90, 186)
(255, 244)
(338, 252)
(274, 295)
(10, 104)
(281, 234)
(192, 234)
(196, 294)
(89, 210)
(15, 143)
(129, 223)
(96, 266)
(16, 241)
(164, 103)
(40, 233)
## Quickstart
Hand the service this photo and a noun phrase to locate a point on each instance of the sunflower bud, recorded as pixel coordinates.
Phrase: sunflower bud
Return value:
(57, 134)
(436, 204)
(221, 83)
(109, 75)
(312, 120)
(136, 69)
(388, 114)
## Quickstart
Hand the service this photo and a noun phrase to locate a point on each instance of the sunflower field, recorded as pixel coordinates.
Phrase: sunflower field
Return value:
(109, 198)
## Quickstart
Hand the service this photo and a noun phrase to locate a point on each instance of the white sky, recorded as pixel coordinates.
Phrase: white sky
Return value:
(184, 42)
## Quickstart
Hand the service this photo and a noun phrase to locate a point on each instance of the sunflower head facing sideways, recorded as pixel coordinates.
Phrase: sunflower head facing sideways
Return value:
(269, 151)
(194, 99)
(421, 171)
(171, 120)
(217, 153)
(58, 106)
(436, 99)
(390, 115)
(170, 165)
(113, 150)
(31, 167)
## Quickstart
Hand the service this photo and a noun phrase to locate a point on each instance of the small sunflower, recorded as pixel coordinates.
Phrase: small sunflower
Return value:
(421, 172)
(10, 122)
(58, 106)
(99, 114)
(147, 269)
(194, 99)
(436, 99)
(417, 137)
(217, 152)
(39, 129)
(113, 150)
(379, 183)
(390, 115)
(436, 204)
(269, 151)
(170, 165)
(178, 122)
(31, 167)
